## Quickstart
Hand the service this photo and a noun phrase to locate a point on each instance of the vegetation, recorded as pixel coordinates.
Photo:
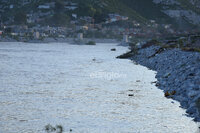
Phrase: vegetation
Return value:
(51, 129)
(141, 11)
(20, 17)
(190, 49)
(58, 19)
(150, 43)
(91, 43)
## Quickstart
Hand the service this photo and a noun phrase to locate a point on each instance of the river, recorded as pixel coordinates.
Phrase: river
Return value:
(83, 88)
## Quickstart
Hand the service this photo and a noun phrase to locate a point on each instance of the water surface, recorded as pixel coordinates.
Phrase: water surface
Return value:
(83, 88)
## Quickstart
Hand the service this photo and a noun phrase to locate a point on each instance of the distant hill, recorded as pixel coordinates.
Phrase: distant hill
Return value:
(182, 13)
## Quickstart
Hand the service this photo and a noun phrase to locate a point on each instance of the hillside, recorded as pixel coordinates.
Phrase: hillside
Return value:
(183, 13)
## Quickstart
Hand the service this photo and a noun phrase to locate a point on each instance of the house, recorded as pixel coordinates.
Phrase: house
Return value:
(44, 7)
(61, 36)
(1, 32)
(81, 28)
(14, 34)
(152, 21)
(115, 17)
(29, 20)
(85, 27)
(25, 2)
(71, 5)
(47, 5)
(74, 15)
(124, 18)
(11, 6)
(87, 19)
(167, 26)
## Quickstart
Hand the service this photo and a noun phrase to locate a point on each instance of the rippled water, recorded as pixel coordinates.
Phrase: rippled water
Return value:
(83, 88)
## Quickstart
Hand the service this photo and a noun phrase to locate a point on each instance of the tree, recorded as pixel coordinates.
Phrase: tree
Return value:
(8, 30)
(59, 6)
(20, 18)
(59, 19)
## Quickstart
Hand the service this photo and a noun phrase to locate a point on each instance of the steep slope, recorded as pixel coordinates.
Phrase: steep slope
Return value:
(182, 11)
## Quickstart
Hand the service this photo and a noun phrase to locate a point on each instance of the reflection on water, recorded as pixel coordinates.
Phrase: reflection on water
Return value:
(83, 88)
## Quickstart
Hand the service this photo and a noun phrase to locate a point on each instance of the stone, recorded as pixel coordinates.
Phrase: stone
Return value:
(130, 95)
(113, 49)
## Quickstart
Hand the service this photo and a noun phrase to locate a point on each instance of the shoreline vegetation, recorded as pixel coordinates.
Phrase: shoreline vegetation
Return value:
(177, 63)
(87, 41)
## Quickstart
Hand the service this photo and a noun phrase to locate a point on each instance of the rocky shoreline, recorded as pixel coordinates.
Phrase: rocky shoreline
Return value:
(178, 74)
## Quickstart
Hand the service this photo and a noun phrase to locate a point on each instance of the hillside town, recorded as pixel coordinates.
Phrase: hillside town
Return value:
(31, 25)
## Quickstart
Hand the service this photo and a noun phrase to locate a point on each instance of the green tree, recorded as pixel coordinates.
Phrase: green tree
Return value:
(58, 19)
(59, 6)
(20, 18)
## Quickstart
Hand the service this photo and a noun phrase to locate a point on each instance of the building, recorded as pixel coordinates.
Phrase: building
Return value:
(71, 6)
(80, 36)
(44, 7)
(36, 35)
(125, 38)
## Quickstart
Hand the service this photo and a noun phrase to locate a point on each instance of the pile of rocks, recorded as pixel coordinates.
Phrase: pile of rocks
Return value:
(177, 72)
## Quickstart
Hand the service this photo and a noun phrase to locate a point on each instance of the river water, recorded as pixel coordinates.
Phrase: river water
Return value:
(84, 89)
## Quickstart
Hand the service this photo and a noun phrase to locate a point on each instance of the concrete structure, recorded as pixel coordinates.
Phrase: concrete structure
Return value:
(125, 38)
(36, 35)
(80, 36)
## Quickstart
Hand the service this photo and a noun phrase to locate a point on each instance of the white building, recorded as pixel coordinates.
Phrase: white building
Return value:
(80, 36)
(44, 7)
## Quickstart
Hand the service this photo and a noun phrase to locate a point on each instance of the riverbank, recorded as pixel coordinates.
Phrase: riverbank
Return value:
(178, 74)
(58, 40)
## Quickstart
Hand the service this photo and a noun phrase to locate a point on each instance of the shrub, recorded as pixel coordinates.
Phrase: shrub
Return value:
(150, 43)
(91, 43)
(190, 49)
(51, 129)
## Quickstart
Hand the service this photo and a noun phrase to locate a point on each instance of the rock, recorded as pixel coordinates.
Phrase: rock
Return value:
(192, 93)
(191, 110)
(178, 74)
(130, 95)
(198, 105)
(167, 94)
(191, 74)
(154, 82)
(126, 55)
(167, 75)
(157, 84)
(173, 92)
(113, 49)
